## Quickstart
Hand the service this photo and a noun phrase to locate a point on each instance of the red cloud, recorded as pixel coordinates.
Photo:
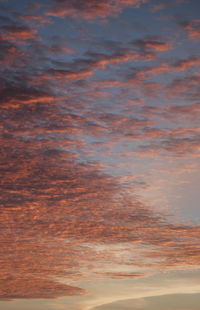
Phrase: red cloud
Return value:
(153, 44)
(11, 55)
(59, 49)
(158, 7)
(187, 63)
(37, 19)
(84, 68)
(123, 275)
(90, 9)
(187, 87)
(185, 110)
(19, 33)
(48, 197)
(192, 29)
(16, 96)
(56, 204)
(18, 287)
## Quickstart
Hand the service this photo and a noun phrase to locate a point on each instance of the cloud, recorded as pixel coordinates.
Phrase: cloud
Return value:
(16, 95)
(28, 199)
(18, 33)
(180, 254)
(33, 19)
(191, 110)
(88, 9)
(149, 72)
(158, 7)
(184, 87)
(161, 6)
(85, 67)
(58, 49)
(154, 44)
(49, 196)
(16, 287)
(178, 146)
(191, 28)
(123, 275)
(187, 63)
(65, 211)
(11, 55)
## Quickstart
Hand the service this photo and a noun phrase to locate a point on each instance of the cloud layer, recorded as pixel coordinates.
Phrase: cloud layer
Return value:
(85, 109)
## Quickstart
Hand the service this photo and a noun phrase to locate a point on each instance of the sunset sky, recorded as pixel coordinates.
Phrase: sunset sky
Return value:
(100, 155)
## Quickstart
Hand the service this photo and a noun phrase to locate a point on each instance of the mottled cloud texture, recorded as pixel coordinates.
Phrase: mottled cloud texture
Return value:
(83, 112)
(89, 9)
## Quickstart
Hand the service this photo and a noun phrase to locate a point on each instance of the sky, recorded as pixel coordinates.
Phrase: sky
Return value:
(100, 155)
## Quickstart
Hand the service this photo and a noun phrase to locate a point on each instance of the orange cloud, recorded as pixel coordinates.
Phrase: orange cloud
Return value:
(56, 49)
(11, 55)
(177, 146)
(187, 63)
(59, 207)
(153, 44)
(17, 33)
(84, 68)
(67, 74)
(20, 287)
(185, 110)
(14, 97)
(48, 196)
(192, 29)
(123, 275)
(184, 252)
(186, 87)
(37, 19)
